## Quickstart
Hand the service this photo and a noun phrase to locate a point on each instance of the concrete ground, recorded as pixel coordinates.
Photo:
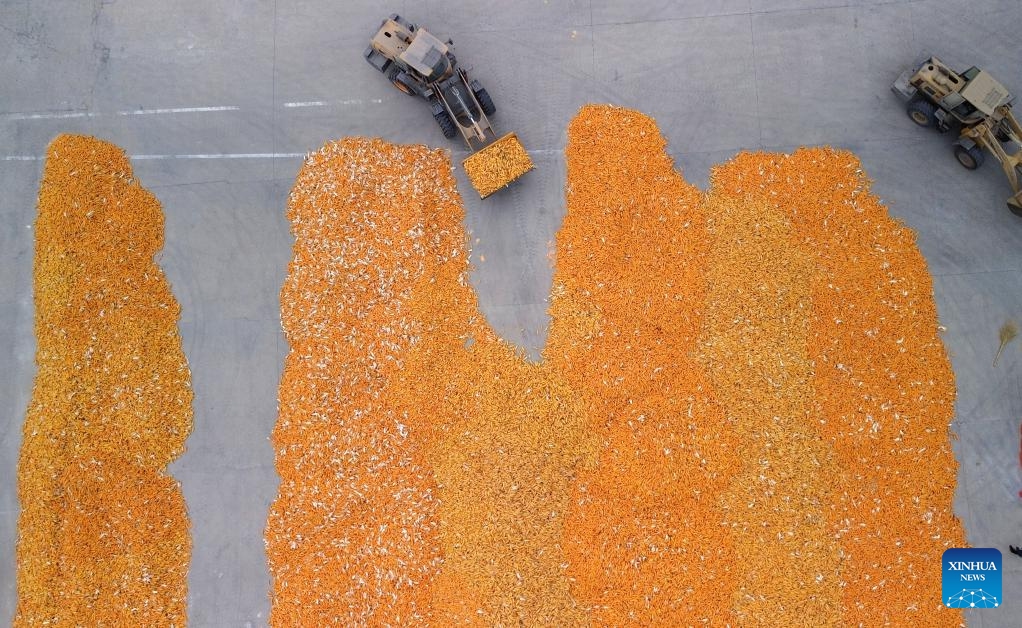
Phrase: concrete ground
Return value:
(236, 91)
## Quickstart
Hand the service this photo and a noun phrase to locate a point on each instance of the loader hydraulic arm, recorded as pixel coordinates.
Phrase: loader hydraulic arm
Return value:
(984, 135)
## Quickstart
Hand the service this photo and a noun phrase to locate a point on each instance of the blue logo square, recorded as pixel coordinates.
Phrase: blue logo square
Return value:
(971, 577)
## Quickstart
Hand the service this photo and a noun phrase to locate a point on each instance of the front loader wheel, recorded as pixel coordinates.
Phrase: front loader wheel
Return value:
(971, 158)
(446, 124)
(403, 82)
(485, 102)
(922, 113)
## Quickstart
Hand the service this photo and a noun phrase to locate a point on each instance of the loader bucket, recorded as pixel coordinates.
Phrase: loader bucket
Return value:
(497, 165)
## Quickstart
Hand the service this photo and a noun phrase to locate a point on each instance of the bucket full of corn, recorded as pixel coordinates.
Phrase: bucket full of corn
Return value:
(497, 165)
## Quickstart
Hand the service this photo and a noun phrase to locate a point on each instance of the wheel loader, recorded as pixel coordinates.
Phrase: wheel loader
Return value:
(976, 106)
(421, 65)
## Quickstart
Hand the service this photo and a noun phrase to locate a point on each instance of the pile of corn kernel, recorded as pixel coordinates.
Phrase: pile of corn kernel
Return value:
(882, 392)
(497, 165)
(103, 532)
(741, 416)
(392, 442)
(645, 538)
(352, 536)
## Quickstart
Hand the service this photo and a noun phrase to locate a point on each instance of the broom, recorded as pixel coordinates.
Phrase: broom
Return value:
(1008, 332)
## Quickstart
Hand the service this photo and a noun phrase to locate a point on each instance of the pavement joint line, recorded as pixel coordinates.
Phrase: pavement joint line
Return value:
(755, 79)
(273, 101)
(975, 272)
(795, 9)
(459, 152)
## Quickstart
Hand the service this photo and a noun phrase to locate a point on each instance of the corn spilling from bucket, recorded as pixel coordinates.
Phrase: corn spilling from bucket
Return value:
(103, 532)
(496, 166)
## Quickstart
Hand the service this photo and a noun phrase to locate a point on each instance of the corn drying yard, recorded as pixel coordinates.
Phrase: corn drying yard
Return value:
(277, 352)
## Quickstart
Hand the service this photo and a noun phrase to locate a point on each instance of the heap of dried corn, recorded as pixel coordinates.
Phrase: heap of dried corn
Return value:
(881, 389)
(352, 537)
(103, 532)
(644, 539)
(424, 465)
(780, 336)
(741, 416)
(497, 165)
(754, 346)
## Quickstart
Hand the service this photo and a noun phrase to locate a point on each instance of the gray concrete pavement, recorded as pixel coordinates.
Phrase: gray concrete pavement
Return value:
(237, 90)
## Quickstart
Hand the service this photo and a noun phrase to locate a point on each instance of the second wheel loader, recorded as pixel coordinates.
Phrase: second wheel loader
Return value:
(976, 106)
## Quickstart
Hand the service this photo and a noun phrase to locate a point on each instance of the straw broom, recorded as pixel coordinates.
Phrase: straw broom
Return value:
(1008, 332)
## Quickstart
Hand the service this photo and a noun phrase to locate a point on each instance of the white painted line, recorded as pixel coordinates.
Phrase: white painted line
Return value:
(48, 115)
(63, 115)
(328, 103)
(139, 112)
(194, 156)
(222, 156)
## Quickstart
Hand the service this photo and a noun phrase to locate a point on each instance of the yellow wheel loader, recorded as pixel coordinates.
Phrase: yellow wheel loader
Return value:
(422, 66)
(976, 106)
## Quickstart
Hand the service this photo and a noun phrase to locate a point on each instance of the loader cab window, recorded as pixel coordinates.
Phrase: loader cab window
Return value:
(971, 73)
(965, 109)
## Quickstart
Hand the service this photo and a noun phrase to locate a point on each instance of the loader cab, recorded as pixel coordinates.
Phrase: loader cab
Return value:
(977, 97)
(969, 96)
(960, 107)
(428, 57)
(955, 102)
(984, 92)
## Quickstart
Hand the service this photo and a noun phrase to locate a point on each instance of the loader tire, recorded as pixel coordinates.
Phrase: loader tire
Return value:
(485, 102)
(971, 158)
(403, 82)
(446, 124)
(922, 113)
